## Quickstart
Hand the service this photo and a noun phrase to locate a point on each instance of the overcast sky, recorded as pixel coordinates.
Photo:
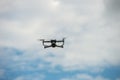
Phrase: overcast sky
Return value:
(92, 44)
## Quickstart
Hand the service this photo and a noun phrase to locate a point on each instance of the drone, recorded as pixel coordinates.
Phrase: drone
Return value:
(52, 43)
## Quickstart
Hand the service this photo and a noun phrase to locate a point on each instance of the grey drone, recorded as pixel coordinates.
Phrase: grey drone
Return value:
(52, 43)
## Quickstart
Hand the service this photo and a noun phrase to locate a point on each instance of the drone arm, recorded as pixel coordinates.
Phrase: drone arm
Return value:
(61, 40)
(47, 46)
(47, 41)
(60, 46)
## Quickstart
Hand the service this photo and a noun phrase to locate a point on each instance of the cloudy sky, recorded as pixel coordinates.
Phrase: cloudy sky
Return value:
(92, 45)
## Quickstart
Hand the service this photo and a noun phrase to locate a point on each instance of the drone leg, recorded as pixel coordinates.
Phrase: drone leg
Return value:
(63, 40)
(42, 41)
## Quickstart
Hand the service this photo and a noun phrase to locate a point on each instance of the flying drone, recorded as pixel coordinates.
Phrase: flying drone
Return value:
(52, 43)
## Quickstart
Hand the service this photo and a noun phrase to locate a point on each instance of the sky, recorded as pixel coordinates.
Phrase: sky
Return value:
(92, 44)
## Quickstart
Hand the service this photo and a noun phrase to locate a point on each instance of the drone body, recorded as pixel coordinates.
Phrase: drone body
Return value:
(53, 43)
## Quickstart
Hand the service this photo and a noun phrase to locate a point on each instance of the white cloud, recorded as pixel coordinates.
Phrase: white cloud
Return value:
(91, 41)
(31, 77)
(85, 77)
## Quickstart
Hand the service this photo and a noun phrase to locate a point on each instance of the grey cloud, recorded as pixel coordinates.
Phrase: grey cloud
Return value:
(113, 5)
(112, 10)
(112, 17)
